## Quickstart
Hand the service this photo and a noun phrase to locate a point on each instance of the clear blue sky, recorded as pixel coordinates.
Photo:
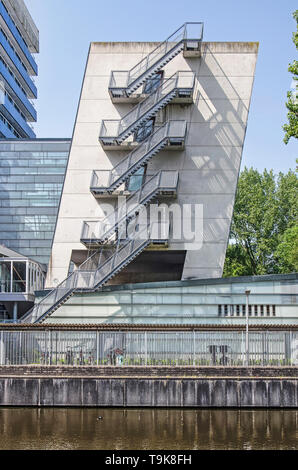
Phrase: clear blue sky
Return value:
(68, 26)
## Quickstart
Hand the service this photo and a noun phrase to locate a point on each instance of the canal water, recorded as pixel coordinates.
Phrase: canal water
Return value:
(163, 429)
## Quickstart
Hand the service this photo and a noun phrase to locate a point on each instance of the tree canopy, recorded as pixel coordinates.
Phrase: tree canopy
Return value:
(264, 231)
(291, 129)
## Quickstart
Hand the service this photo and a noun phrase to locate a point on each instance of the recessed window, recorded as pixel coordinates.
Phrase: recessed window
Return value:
(153, 83)
(268, 310)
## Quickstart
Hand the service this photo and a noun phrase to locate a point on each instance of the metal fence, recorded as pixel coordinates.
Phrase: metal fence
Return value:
(147, 348)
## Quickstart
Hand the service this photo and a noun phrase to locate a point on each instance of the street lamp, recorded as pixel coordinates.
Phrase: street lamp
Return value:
(247, 292)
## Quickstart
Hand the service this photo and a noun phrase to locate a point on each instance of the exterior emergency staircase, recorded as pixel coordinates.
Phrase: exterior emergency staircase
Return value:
(94, 273)
(180, 85)
(95, 233)
(188, 37)
(91, 275)
(171, 134)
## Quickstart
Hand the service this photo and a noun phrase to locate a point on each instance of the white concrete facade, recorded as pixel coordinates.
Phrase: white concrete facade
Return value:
(208, 165)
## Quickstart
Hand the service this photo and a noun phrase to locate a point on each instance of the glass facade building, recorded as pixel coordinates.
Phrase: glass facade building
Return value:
(19, 39)
(31, 178)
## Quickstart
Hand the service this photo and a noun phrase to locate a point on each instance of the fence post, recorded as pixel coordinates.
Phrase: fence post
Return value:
(146, 348)
(97, 348)
(193, 352)
(2, 349)
(50, 348)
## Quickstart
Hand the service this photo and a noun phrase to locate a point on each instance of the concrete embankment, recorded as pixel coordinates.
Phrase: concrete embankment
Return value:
(149, 386)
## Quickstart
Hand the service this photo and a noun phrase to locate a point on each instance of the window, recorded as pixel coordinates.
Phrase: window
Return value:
(136, 180)
(153, 83)
(256, 310)
(143, 132)
(268, 310)
(219, 310)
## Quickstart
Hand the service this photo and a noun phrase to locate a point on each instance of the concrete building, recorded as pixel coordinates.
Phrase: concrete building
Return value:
(207, 112)
(169, 131)
(32, 175)
(19, 39)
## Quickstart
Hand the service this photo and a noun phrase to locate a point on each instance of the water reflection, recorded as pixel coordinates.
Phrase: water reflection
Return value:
(79, 428)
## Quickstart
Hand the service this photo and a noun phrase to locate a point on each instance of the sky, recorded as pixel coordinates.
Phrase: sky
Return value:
(68, 26)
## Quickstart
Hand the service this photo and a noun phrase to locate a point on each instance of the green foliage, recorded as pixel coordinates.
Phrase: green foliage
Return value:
(291, 129)
(264, 232)
(287, 250)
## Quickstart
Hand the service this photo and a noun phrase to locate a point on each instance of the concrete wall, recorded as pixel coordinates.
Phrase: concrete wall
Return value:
(208, 166)
(166, 392)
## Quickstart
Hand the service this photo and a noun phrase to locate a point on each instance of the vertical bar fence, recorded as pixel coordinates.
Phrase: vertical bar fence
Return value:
(147, 348)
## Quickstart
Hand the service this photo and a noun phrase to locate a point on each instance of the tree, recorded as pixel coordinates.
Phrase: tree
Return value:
(291, 129)
(263, 230)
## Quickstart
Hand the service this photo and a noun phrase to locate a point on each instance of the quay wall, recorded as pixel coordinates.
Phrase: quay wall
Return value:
(137, 387)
